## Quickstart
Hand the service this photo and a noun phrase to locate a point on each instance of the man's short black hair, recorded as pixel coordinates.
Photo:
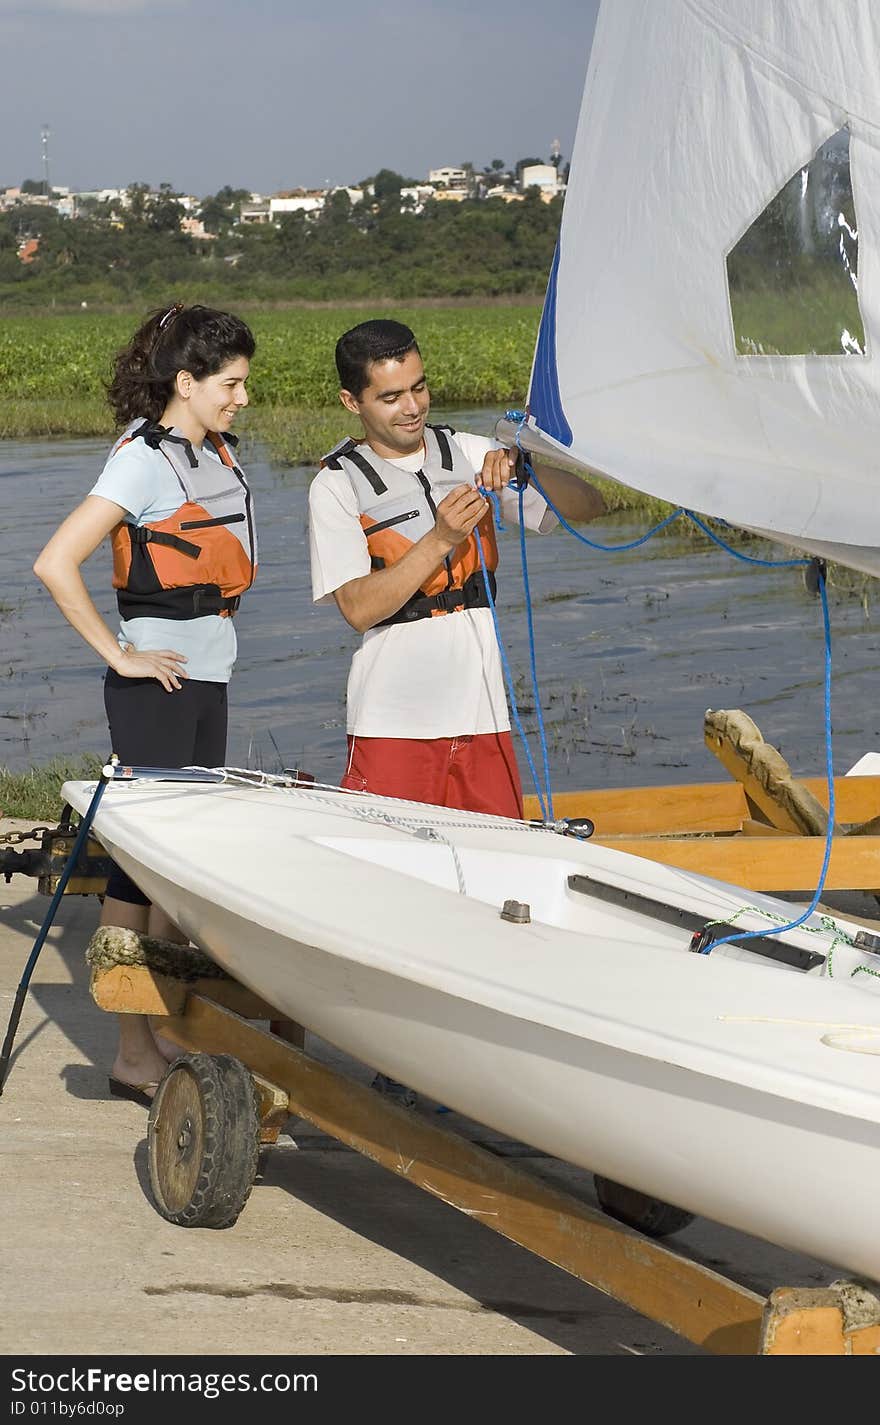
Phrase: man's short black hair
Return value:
(376, 340)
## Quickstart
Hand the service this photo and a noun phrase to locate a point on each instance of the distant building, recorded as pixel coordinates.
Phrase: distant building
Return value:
(413, 199)
(355, 195)
(27, 250)
(508, 195)
(299, 200)
(256, 211)
(450, 195)
(195, 228)
(450, 178)
(541, 175)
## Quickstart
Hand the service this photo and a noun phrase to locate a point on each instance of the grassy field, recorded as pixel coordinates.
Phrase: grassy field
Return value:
(51, 365)
(36, 794)
(53, 370)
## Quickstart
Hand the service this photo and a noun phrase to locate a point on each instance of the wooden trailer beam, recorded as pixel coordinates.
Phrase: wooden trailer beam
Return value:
(764, 862)
(698, 1304)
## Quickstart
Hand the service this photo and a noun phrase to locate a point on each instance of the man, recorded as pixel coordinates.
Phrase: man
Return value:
(393, 521)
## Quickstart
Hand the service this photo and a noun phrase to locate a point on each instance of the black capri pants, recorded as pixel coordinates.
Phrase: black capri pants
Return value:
(152, 728)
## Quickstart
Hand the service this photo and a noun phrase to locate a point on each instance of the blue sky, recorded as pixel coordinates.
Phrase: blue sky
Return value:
(267, 95)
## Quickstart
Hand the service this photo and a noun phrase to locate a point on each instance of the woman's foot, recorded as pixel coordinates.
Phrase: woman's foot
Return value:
(138, 1061)
(138, 1093)
(167, 1049)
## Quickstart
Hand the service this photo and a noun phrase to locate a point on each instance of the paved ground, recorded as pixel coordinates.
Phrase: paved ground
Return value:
(332, 1255)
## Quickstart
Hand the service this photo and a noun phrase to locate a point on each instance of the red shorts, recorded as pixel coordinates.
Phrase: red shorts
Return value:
(477, 773)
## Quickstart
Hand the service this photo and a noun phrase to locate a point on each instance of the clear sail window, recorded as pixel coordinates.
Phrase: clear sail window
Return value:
(793, 276)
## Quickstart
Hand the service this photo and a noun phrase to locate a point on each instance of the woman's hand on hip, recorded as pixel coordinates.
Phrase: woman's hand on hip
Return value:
(162, 664)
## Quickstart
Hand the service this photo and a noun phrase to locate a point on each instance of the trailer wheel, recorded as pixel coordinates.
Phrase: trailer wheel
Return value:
(203, 1140)
(636, 1209)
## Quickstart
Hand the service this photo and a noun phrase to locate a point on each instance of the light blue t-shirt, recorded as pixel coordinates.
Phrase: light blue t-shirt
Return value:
(143, 482)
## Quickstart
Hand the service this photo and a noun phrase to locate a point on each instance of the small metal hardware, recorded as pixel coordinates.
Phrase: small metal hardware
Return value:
(864, 940)
(519, 912)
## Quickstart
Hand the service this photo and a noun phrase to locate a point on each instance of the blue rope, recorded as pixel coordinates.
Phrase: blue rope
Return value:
(829, 774)
(591, 543)
(737, 554)
(509, 679)
(520, 417)
(532, 661)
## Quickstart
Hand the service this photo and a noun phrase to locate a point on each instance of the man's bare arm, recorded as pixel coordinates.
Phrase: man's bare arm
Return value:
(366, 601)
(573, 496)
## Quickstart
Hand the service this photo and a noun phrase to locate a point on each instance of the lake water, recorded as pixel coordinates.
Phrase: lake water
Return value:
(631, 647)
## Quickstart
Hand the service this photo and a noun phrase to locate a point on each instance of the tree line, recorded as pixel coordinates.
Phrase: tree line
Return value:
(379, 247)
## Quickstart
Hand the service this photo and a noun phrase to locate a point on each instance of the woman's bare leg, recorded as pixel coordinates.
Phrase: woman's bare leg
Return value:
(138, 1060)
(163, 928)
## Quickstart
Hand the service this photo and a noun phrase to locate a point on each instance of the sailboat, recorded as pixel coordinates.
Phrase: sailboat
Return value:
(660, 1027)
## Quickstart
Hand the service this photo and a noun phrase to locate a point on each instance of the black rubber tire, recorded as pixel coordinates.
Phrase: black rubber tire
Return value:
(646, 1214)
(203, 1140)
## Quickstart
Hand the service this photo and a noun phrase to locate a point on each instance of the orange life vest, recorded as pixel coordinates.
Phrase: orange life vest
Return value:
(201, 559)
(391, 501)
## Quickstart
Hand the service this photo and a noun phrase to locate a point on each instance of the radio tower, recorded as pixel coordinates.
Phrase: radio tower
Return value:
(44, 140)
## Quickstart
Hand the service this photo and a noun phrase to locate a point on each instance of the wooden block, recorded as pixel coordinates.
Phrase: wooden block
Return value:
(135, 989)
(842, 1319)
(274, 1108)
(802, 1323)
(765, 776)
(865, 1341)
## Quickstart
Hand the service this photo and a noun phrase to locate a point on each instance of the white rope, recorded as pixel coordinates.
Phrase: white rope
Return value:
(313, 790)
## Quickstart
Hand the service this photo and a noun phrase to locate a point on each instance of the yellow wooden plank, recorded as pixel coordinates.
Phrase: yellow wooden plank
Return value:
(717, 807)
(780, 863)
(699, 1304)
(698, 807)
(136, 989)
(759, 828)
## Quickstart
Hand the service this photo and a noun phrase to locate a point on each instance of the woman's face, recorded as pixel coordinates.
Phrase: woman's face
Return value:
(216, 400)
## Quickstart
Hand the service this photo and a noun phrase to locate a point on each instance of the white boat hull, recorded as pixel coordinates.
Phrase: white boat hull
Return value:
(743, 1091)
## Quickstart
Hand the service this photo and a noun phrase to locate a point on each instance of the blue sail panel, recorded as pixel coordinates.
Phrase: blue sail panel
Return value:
(545, 402)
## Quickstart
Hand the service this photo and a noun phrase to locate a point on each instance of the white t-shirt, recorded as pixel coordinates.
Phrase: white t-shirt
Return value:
(434, 677)
(143, 482)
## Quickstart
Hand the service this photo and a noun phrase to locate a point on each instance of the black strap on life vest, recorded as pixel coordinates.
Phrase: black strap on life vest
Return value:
(471, 595)
(351, 452)
(152, 434)
(142, 534)
(191, 601)
(443, 445)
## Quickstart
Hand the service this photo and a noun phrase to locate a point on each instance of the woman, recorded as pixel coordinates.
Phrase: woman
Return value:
(178, 511)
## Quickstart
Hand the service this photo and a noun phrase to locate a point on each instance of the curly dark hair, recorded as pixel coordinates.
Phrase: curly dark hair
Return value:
(172, 339)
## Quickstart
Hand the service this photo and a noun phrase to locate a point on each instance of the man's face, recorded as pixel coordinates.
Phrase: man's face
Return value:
(394, 406)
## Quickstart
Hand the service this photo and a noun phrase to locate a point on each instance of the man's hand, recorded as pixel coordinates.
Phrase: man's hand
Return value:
(460, 511)
(498, 469)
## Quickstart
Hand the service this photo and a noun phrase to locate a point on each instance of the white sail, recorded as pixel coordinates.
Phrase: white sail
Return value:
(698, 342)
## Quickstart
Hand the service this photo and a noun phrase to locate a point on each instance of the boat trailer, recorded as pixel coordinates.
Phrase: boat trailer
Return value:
(231, 1092)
